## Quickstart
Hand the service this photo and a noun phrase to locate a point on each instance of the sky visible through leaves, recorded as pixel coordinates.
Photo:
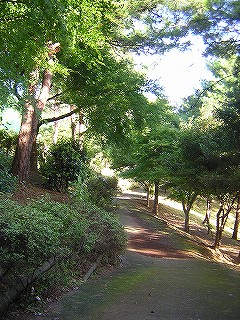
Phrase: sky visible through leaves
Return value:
(179, 73)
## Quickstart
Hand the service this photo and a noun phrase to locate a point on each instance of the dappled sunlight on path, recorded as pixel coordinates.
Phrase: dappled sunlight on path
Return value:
(149, 243)
(150, 239)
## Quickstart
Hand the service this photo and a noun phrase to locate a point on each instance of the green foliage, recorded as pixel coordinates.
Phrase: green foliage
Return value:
(5, 161)
(8, 182)
(96, 189)
(33, 233)
(105, 234)
(109, 238)
(101, 190)
(8, 141)
(63, 164)
(36, 232)
(217, 21)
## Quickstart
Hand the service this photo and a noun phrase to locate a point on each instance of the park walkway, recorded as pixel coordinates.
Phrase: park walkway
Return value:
(157, 279)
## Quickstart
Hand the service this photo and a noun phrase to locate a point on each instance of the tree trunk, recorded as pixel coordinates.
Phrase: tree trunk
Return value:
(55, 125)
(186, 210)
(30, 121)
(217, 236)
(81, 130)
(77, 127)
(187, 203)
(222, 216)
(73, 124)
(155, 202)
(187, 220)
(148, 195)
(207, 215)
(237, 219)
(26, 138)
(34, 157)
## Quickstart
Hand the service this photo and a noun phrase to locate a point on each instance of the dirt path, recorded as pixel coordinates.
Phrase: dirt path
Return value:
(161, 277)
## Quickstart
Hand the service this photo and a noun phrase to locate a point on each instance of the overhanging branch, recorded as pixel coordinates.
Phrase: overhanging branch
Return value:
(63, 116)
(214, 84)
(55, 96)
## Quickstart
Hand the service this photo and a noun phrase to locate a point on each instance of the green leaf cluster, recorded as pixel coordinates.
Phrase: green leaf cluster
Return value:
(8, 140)
(33, 233)
(95, 189)
(63, 163)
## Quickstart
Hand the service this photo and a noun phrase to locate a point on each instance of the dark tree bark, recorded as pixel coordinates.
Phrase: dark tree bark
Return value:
(26, 138)
(34, 157)
(81, 130)
(77, 124)
(187, 203)
(155, 201)
(222, 216)
(74, 124)
(55, 124)
(206, 220)
(148, 187)
(63, 116)
(237, 219)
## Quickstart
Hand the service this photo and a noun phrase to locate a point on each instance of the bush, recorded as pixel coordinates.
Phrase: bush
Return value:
(8, 140)
(5, 161)
(8, 181)
(96, 189)
(63, 164)
(101, 190)
(38, 231)
(33, 233)
(109, 236)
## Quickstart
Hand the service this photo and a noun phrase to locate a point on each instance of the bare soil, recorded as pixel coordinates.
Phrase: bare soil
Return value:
(26, 192)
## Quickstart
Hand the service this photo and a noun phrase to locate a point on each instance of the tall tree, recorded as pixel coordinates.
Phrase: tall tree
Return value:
(29, 126)
(83, 29)
(37, 31)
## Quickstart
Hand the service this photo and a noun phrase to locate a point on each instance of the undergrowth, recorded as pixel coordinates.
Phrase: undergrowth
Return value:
(33, 233)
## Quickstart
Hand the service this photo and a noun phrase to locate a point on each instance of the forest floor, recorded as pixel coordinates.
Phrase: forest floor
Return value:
(164, 274)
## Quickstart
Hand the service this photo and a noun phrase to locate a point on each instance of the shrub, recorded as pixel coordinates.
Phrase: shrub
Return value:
(8, 140)
(8, 182)
(63, 164)
(101, 190)
(5, 161)
(32, 234)
(38, 231)
(96, 189)
(110, 239)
